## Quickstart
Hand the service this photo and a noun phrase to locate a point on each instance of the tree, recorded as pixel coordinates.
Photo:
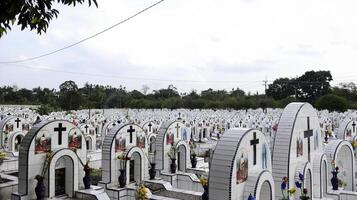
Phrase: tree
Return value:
(69, 97)
(237, 92)
(313, 85)
(281, 88)
(332, 102)
(346, 90)
(308, 87)
(29, 13)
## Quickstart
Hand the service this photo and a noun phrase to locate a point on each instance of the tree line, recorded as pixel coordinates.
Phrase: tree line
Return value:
(313, 87)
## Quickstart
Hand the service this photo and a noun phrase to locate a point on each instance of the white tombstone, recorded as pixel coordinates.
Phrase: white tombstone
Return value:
(55, 150)
(130, 141)
(241, 166)
(297, 148)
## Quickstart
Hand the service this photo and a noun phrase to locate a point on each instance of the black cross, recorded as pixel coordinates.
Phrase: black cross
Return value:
(86, 127)
(59, 129)
(150, 125)
(131, 131)
(17, 122)
(177, 129)
(179, 115)
(354, 127)
(240, 124)
(254, 142)
(307, 134)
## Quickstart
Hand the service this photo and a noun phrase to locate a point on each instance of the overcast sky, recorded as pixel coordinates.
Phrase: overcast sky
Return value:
(197, 44)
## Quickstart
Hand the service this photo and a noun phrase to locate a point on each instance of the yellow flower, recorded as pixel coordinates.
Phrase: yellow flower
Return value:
(142, 192)
(354, 143)
(292, 190)
(2, 155)
(203, 181)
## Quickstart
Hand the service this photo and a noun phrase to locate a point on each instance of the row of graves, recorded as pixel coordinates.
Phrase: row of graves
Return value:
(296, 153)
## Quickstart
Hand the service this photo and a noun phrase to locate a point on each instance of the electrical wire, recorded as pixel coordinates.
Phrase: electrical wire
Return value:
(85, 39)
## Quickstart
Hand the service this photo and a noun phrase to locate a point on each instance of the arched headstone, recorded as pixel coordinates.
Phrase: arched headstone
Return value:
(54, 150)
(169, 135)
(297, 147)
(241, 166)
(129, 141)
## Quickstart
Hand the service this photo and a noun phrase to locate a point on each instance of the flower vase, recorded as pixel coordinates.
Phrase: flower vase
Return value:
(334, 180)
(205, 192)
(152, 171)
(173, 166)
(40, 188)
(87, 180)
(193, 161)
(122, 178)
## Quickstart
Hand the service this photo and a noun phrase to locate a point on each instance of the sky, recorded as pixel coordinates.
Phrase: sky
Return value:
(192, 44)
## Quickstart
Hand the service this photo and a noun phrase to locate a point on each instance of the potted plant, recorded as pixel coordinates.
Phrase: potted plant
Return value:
(172, 156)
(204, 183)
(193, 154)
(300, 184)
(122, 165)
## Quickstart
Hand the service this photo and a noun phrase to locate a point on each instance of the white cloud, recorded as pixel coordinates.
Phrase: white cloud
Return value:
(204, 40)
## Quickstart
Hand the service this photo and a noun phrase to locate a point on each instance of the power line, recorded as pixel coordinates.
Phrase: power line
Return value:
(85, 39)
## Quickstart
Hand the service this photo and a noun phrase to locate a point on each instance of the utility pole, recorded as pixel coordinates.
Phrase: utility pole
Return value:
(265, 84)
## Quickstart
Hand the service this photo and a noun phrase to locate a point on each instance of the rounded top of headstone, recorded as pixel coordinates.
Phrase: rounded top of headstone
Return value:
(298, 139)
(347, 129)
(238, 154)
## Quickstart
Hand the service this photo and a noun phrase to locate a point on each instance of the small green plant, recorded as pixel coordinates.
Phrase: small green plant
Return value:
(172, 152)
(341, 183)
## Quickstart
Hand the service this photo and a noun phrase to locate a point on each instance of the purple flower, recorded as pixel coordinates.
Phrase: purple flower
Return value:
(251, 197)
(283, 185)
(301, 176)
(298, 184)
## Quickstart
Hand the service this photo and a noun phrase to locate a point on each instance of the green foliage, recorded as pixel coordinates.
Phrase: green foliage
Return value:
(332, 102)
(35, 15)
(45, 109)
(96, 175)
(308, 87)
(71, 97)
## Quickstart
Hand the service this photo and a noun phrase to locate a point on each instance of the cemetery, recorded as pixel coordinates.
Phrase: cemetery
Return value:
(178, 100)
(275, 154)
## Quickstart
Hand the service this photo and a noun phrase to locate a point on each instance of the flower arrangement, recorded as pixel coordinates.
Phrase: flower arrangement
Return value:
(2, 155)
(142, 192)
(284, 188)
(203, 181)
(329, 133)
(48, 158)
(122, 160)
(193, 147)
(354, 144)
(300, 184)
(341, 183)
(172, 152)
